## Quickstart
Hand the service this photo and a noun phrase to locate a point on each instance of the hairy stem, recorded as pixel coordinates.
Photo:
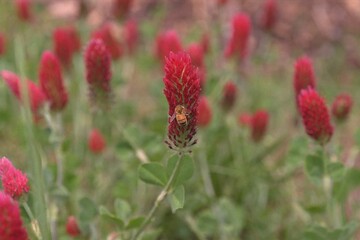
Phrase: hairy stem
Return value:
(159, 198)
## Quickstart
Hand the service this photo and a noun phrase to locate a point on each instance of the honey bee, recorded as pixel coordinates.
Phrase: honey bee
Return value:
(180, 115)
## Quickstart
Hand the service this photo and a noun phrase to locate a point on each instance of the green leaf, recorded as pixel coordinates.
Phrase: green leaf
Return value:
(88, 210)
(186, 169)
(122, 209)
(105, 213)
(153, 173)
(314, 167)
(320, 233)
(177, 198)
(135, 223)
(336, 171)
(297, 151)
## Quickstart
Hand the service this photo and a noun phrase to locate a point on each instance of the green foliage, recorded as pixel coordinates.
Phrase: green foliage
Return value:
(153, 173)
(177, 198)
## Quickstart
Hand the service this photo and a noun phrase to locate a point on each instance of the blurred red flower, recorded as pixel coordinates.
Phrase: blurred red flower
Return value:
(237, 45)
(51, 81)
(107, 34)
(269, 15)
(182, 91)
(96, 141)
(10, 219)
(23, 8)
(72, 227)
(65, 43)
(304, 76)
(259, 123)
(121, 8)
(204, 112)
(131, 35)
(36, 95)
(229, 96)
(167, 42)
(98, 70)
(315, 116)
(245, 119)
(341, 107)
(14, 182)
(2, 43)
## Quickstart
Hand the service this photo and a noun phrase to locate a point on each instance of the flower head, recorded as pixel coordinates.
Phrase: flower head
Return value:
(304, 76)
(341, 107)
(121, 8)
(107, 33)
(238, 43)
(23, 8)
(98, 70)
(205, 43)
(269, 16)
(51, 81)
(131, 35)
(196, 53)
(66, 42)
(96, 141)
(10, 219)
(14, 182)
(229, 96)
(259, 122)
(36, 95)
(2, 44)
(72, 227)
(245, 119)
(315, 116)
(167, 42)
(182, 90)
(204, 112)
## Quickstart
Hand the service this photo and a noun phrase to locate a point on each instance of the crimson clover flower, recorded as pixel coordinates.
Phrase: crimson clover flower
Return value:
(182, 91)
(107, 33)
(65, 43)
(98, 71)
(167, 42)
(14, 182)
(259, 123)
(269, 15)
(51, 81)
(11, 225)
(341, 107)
(315, 116)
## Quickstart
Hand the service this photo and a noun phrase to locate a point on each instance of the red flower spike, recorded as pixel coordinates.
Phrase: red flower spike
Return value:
(229, 96)
(167, 42)
(66, 42)
(107, 33)
(205, 43)
(341, 107)
(238, 43)
(2, 44)
(37, 97)
(72, 227)
(204, 112)
(221, 2)
(182, 91)
(196, 53)
(14, 182)
(131, 34)
(51, 81)
(315, 116)
(96, 141)
(10, 219)
(245, 119)
(270, 14)
(121, 7)
(259, 123)
(98, 70)
(23, 8)
(304, 76)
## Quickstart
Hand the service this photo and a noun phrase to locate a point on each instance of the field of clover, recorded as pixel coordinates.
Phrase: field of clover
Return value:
(170, 120)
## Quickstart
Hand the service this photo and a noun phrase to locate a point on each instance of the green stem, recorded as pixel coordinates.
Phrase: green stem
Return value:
(160, 198)
(38, 189)
(34, 222)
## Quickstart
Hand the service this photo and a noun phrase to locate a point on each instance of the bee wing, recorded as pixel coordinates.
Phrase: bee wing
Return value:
(172, 117)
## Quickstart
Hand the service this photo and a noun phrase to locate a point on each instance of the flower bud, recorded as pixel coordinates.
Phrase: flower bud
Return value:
(72, 227)
(96, 141)
(204, 112)
(341, 107)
